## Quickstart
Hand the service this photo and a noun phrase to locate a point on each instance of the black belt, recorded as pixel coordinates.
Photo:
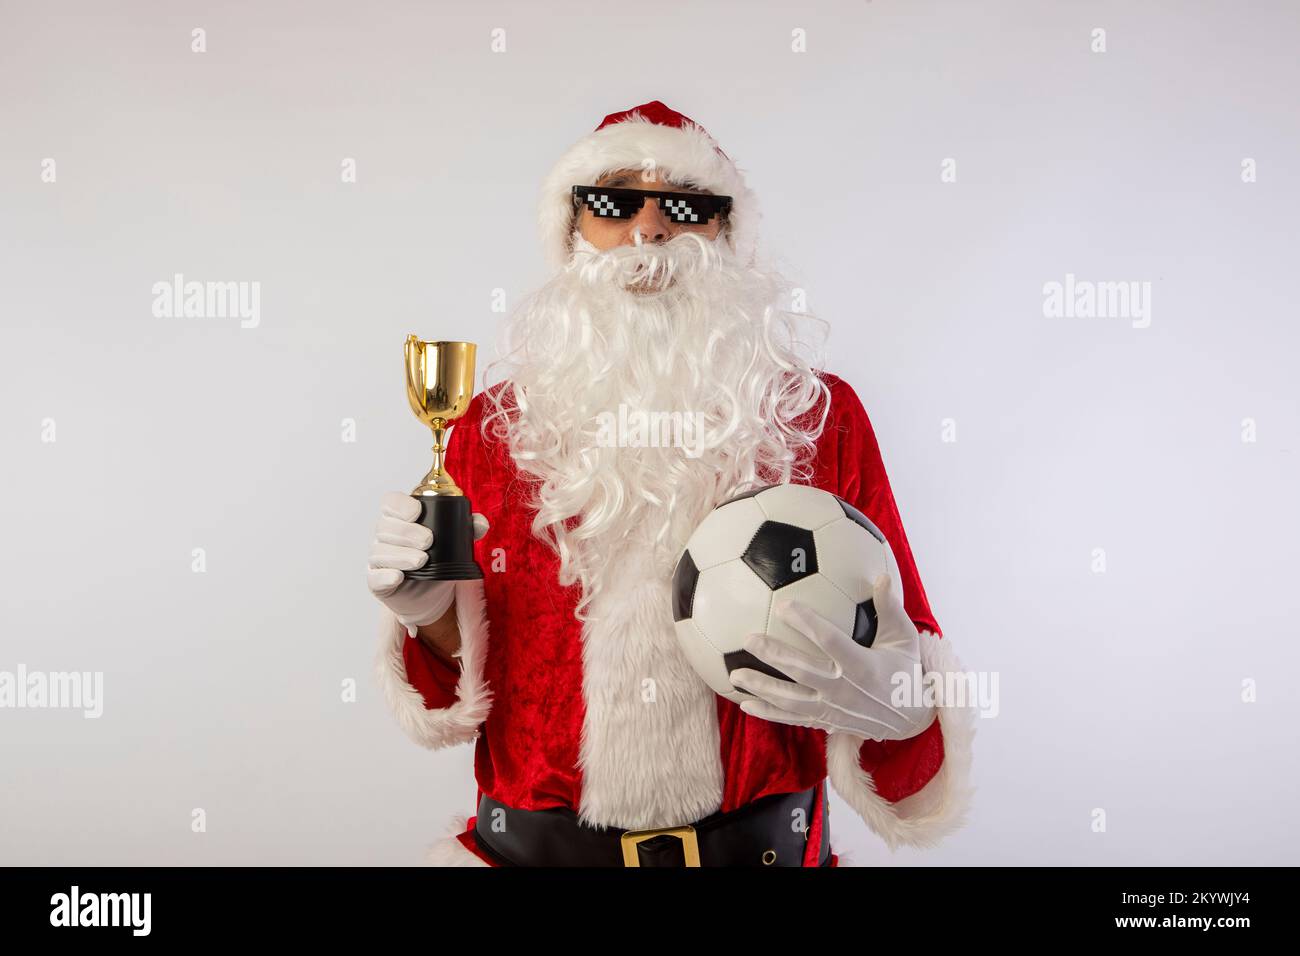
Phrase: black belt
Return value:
(767, 832)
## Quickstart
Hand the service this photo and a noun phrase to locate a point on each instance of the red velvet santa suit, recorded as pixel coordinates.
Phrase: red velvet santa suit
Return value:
(524, 689)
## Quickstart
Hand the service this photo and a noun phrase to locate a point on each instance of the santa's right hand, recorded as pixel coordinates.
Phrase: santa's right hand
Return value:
(401, 544)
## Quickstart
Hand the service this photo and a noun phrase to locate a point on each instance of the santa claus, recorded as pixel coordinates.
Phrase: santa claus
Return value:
(596, 742)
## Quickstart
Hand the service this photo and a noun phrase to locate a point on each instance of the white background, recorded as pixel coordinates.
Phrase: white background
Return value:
(1120, 691)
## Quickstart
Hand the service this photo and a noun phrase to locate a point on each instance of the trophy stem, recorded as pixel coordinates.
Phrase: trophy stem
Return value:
(437, 482)
(439, 428)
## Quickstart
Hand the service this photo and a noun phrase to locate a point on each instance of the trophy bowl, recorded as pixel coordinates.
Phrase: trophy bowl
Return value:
(439, 387)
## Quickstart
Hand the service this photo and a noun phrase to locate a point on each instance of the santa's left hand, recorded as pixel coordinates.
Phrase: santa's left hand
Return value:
(847, 687)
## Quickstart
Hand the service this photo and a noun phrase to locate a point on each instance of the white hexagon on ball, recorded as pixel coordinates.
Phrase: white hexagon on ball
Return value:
(824, 598)
(850, 557)
(800, 505)
(725, 532)
(730, 603)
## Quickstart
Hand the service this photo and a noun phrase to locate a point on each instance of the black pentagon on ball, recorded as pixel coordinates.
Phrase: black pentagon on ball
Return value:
(685, 578)
(865, 622)
(776, 549)
(747, 494)
(858, 518)
(735, 660)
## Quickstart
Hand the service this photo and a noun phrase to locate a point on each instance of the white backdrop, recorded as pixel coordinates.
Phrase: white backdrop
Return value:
(1125, 690)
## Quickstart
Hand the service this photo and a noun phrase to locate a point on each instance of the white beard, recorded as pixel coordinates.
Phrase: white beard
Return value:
(715, 343)
(712, 342)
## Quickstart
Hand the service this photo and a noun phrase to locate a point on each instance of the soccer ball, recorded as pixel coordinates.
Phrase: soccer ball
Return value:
(782, 541)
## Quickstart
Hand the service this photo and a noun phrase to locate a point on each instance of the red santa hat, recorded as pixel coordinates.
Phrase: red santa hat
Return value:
(681, 151)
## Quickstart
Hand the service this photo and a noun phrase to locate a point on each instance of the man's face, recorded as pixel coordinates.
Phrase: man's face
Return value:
(650, 222)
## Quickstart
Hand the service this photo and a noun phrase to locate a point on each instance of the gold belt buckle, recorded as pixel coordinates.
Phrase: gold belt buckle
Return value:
(690, 844)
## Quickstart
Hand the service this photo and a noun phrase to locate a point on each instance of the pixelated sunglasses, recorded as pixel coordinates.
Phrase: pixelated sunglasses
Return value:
(691, 208)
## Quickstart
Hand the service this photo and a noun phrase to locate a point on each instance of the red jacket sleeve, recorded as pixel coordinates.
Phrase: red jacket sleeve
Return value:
(863, 483)
(429, 673)
(899, 768)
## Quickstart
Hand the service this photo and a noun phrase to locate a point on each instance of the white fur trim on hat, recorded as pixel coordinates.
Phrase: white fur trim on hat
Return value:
(441, 726)
(938, 808)
(685, 154)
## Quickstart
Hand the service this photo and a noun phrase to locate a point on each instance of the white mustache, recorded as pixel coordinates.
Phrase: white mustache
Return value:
(648, 266)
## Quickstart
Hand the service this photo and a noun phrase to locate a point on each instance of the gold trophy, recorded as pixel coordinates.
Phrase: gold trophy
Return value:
(439, 385)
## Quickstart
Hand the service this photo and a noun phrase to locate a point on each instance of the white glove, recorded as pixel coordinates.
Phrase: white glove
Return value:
(847, 688)
(400, 545)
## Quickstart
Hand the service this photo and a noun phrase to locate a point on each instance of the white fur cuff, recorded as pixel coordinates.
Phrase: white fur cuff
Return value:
(925, 817)
(449, 851)
(444, 726)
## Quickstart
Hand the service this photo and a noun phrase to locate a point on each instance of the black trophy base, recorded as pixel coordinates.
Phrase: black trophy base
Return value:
(451, 558)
